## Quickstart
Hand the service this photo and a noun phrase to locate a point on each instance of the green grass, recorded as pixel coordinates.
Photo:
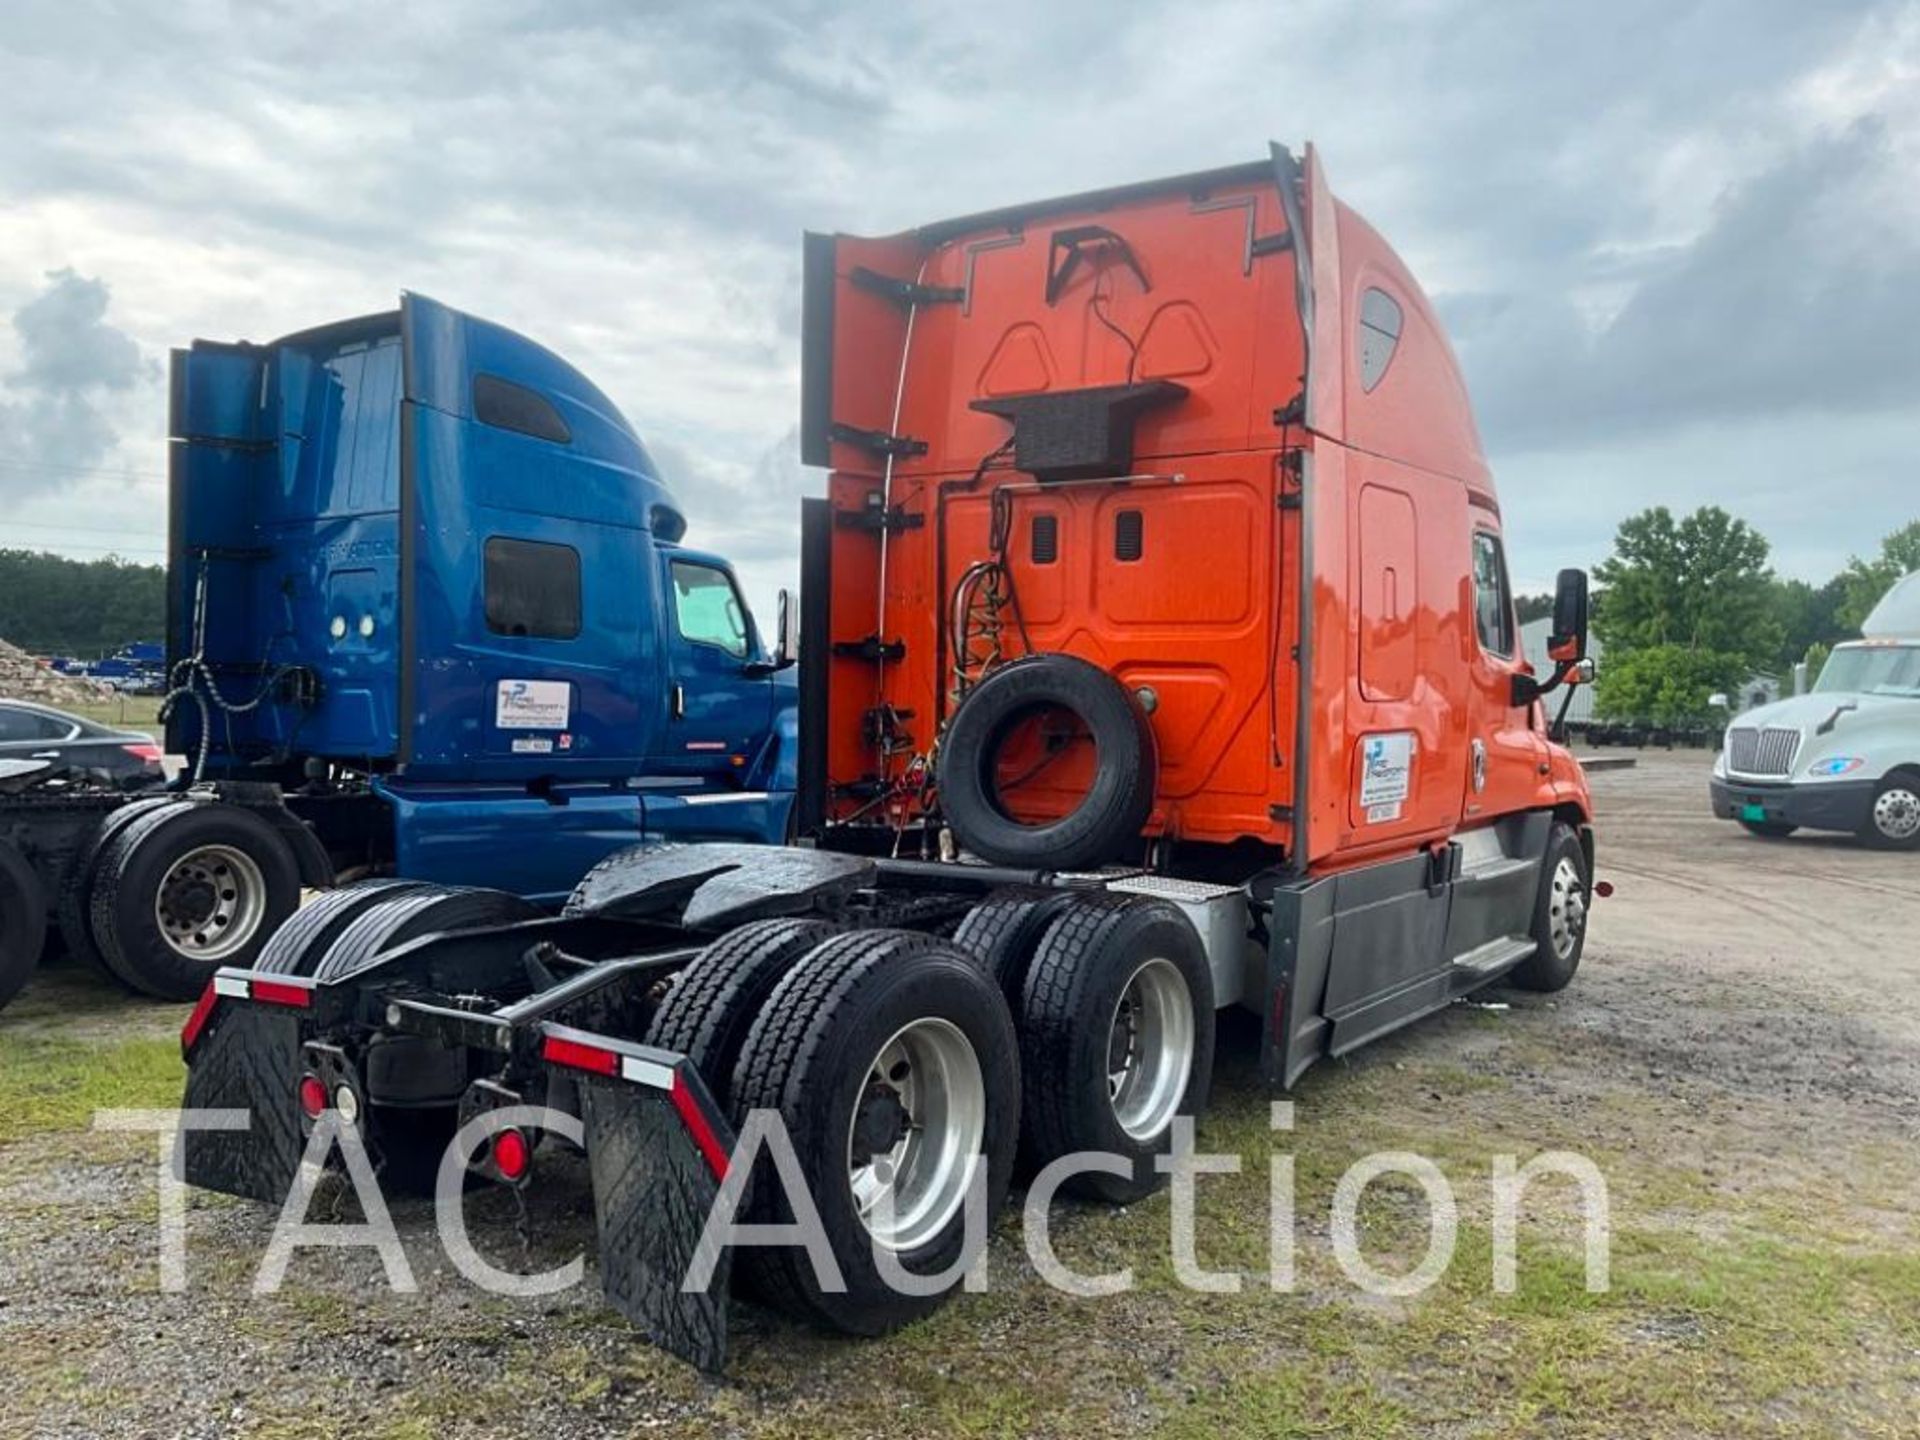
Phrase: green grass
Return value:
(72, 1043)
(126, 712)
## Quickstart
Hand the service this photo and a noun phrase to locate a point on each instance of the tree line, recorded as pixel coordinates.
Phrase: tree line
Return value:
(1689, 606)
(53, 605)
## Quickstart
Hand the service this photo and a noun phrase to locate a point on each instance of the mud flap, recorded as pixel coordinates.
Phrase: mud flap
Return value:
(248, 1057)
(652, 1191)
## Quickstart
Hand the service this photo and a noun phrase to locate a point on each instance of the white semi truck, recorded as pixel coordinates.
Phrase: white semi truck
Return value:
(1845, 756)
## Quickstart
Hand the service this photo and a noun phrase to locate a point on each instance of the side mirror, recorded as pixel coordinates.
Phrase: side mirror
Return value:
(1568, 642)
(1584, 672)
(786, 624)
(1718, 701)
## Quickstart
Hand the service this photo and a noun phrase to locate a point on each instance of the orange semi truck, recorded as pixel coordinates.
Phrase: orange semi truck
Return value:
(1156, 656)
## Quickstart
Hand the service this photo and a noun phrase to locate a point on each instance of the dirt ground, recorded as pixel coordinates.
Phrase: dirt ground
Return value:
(1740, 1057)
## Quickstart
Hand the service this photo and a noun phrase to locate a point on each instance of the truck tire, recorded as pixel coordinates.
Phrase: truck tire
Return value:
(23, 921)
(296, 947)
(1559, 916)
(1116, 1040)
(1768, 829)
(716, 999)
(1893, 823)
(1004, 930)
(1106, 821)
(396, 919)
(875, 1032)
(73, 909)
(183, 890)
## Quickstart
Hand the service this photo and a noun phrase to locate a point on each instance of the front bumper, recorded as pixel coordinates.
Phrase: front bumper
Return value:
(1826, 805)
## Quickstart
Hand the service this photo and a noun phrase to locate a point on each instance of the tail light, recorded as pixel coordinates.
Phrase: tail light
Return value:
(313, 1097)
(512, 1156)
(147, 752)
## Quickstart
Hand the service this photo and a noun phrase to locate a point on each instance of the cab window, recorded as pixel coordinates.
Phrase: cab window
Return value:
(708, 609)
(1492, 606)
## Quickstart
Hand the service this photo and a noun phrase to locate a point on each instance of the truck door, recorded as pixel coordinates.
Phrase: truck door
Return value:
(719, 688)
(1504, 751)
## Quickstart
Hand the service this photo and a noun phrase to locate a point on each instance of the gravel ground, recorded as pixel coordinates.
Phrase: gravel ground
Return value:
(1740, 1056)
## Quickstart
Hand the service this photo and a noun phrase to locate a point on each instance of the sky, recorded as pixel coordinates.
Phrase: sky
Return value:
(1677, 245)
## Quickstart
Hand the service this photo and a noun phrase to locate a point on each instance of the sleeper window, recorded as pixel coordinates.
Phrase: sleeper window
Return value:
(533, 589)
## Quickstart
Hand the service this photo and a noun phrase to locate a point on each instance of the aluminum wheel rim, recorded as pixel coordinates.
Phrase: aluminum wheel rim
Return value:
(916, 1134)
(210, 902)
(1150, 1049)
(1566, 908)
(1896, 814)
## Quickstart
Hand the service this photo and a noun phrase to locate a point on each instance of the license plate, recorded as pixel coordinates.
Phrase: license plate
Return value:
(1753, 812)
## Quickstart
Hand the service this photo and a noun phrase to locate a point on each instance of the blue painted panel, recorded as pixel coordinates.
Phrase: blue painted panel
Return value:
(502, 837)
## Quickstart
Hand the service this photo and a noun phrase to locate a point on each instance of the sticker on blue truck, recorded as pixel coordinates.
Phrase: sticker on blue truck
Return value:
(1386, 775)
(533, 704)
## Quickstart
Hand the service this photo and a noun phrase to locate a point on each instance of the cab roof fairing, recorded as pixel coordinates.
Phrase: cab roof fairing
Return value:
(1419, 413)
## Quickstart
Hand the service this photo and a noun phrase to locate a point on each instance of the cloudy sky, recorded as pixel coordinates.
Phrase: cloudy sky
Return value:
(1678, 244)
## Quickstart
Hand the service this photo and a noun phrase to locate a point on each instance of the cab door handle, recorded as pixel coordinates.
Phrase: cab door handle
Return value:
(677, 701)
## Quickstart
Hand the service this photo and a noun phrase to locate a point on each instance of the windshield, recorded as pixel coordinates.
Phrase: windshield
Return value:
(1874, 670)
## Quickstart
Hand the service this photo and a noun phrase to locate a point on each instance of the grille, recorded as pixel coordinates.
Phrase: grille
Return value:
(1762, 752)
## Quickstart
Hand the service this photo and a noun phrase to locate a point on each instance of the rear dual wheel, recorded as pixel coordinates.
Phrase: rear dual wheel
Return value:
(1116, 1040)
(890, 1059)
(23, 921)
(182, 889)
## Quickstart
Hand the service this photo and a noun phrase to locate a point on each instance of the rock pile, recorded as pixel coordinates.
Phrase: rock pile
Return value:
(24, 678)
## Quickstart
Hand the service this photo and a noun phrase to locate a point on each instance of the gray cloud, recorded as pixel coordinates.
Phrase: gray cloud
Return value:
(54, 417)
(1802, 294)
(1648, 220)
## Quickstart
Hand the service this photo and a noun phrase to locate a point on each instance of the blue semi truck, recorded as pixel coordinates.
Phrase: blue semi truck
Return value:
(431, 623)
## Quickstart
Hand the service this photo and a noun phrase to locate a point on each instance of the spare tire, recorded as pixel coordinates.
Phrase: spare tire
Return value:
(1049, 762)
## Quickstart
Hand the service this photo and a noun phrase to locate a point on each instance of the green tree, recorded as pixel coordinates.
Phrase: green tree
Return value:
(1530, 608)
(1665, 684)
(50, 604)
(1809, 618)
(1687, 606)
(1863, 582)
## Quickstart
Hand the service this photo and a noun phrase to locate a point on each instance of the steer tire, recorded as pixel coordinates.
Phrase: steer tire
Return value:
(714, 1001)
(808, 1058)
(1890, 819)
(397, 919)
(136, 865)
(73, 907)
(296, 947)
(1108, 819)
(1554, 960)
(1005, 929)
(1084, 968)
(1768, 829)
(23, 921)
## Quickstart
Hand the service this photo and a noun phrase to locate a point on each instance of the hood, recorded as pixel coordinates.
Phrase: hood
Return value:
(1808, 712)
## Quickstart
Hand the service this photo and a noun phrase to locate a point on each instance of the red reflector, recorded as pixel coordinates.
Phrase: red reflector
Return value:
(272, 992)
(576, 1056)
(313, 1096)
(698, 1127)
(197, 1021)
(1603, 888)
(511, 1155)
(149, 753)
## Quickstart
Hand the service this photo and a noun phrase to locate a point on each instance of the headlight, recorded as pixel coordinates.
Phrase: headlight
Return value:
(1835, 765)
(1720, 763)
